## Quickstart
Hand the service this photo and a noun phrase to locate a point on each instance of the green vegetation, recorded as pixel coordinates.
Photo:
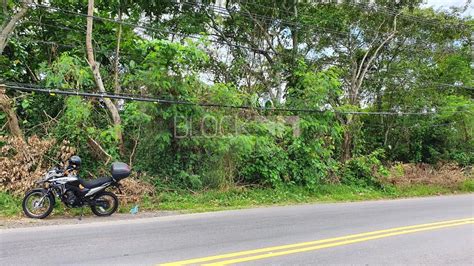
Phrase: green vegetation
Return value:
(330, 97)
(10, 205)
(238, 198)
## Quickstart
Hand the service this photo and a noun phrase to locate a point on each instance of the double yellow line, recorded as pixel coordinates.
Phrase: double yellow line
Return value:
(263, 253)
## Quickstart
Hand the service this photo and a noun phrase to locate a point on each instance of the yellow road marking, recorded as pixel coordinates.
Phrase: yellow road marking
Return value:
(322, 241)
(292, 251)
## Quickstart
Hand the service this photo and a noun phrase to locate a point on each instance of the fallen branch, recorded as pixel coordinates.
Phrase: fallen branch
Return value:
(7, 107)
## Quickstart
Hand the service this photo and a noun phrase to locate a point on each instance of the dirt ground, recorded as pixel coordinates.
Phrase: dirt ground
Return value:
(16, 222)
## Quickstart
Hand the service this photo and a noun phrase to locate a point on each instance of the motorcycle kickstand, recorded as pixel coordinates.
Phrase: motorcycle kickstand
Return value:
(82, 213)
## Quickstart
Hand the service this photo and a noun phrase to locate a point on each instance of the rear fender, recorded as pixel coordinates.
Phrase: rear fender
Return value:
(94, 191)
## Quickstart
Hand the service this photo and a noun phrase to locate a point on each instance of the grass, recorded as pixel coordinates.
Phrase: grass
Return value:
(238, 198)
(9, 205)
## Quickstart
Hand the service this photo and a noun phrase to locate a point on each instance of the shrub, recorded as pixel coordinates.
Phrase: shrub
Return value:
(265, 165)
(364, 171)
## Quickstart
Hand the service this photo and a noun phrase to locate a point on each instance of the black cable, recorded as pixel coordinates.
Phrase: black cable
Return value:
(198, 36)
(177, 102)
(150, 28)
(379, 9)
(415, 48)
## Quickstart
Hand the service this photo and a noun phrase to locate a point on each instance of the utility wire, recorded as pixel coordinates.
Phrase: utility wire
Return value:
(150, 96)
(379, 9)
(226, 12)
(130, 57)
(198, 36)
(150, 28)
(195, 36)
(413, 48)
(432, 22)
(53, 91)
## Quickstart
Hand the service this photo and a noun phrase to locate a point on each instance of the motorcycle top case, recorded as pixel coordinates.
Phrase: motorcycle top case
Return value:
(120, 170)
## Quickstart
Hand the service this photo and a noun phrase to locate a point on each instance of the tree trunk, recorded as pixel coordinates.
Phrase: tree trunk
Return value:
(347, 141)
(117, 87)
(294, 33)
(12, 120)
(359, 73)
(8, 27)
(98, 78)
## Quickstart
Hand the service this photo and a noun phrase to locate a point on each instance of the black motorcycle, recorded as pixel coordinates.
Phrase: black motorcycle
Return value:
(74, 191)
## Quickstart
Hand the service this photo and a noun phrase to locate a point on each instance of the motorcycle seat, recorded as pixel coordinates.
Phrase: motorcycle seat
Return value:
(92, 183)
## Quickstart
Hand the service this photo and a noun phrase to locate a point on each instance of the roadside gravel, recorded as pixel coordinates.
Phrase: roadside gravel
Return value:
(19, 222)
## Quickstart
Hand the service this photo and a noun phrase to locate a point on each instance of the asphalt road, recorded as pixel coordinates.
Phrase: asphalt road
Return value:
(435, 231)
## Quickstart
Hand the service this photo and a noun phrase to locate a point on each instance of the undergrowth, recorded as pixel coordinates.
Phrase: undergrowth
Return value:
(247, 197)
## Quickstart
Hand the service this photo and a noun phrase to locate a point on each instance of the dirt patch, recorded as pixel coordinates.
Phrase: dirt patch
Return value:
(446, 175)
(16, 222)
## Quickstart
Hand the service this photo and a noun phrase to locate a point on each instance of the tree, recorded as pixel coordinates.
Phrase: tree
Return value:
(98, 78)
(9, 25)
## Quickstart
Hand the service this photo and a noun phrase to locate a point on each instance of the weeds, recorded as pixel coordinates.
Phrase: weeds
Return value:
(240, 197)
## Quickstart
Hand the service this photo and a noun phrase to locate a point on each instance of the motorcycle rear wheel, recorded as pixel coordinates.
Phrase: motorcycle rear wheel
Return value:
(106, 203)
(37, 204)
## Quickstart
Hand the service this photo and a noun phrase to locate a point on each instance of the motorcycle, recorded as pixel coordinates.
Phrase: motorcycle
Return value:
(74, 191)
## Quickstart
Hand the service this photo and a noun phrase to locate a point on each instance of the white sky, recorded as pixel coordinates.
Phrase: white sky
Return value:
(445, 4)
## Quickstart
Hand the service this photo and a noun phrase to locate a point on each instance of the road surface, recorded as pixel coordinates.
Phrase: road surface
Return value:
(435, 231)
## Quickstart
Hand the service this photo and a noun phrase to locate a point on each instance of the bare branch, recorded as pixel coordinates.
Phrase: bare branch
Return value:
(12, 119)
(10, 26)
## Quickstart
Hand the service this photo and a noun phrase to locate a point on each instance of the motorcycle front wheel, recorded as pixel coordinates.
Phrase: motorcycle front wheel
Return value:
(105, 203)
(37, 204)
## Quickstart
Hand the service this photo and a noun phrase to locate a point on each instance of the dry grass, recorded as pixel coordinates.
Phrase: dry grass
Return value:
(446, 175)
(133, 189)
(22, 162)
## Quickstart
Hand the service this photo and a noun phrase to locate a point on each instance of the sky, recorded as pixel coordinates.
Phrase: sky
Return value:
(445, 4)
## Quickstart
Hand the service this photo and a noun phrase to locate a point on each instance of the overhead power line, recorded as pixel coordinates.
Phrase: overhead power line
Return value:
(140, 98)
(99, 50)
(379, 9)
(225, 11)
(150, 28)
(391, 11)
(302, 27)
(109, 52)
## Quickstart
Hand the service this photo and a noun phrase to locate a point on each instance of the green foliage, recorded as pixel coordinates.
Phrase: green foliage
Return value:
(10, 204)
(194, 147)
(266, 164)
(237, 197)
(3, 121)
(67, 71)
(73, 123)
(364, 171)
(468, 185)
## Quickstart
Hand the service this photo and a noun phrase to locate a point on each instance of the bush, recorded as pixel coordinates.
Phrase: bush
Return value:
(364, 171)
(467, 185)
(463, 158)
(189, 180)
(265, 165)
(11, 205)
